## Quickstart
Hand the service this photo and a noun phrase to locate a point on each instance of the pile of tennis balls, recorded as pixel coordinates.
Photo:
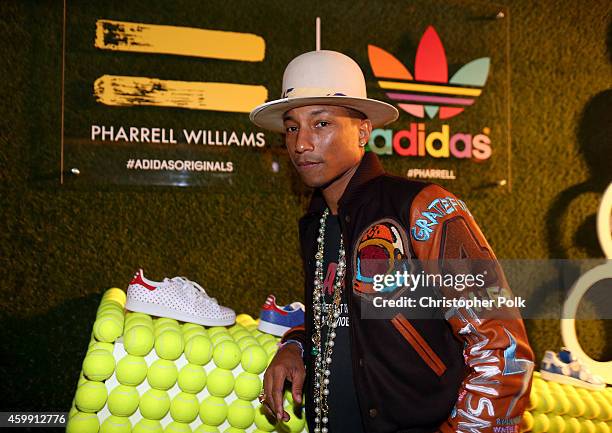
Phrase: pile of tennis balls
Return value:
(561, 408)
(145, 374)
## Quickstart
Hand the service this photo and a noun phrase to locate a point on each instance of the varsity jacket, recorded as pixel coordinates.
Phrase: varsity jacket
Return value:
(462, 371)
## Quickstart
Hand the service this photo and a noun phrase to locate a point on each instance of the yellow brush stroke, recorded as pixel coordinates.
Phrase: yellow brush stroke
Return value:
(393, 85)
(129, 91)
(181, 41)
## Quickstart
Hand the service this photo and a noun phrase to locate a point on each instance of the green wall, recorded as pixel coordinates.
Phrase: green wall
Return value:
(61, 248)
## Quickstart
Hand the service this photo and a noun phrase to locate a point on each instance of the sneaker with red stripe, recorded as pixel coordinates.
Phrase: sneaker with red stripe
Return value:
(277, 320)
(177, 298)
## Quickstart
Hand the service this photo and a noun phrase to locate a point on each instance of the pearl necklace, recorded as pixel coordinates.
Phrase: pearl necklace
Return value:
(325, 317)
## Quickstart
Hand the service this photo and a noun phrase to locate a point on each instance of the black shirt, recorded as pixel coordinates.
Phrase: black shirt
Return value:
(344, 414)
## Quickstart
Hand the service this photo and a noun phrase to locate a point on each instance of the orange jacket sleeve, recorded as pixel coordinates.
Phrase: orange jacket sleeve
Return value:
(499, 360)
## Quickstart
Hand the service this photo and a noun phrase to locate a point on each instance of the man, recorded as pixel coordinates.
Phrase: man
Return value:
(468, 372)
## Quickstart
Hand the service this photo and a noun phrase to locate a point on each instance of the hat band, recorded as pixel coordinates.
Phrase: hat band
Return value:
(308, 92)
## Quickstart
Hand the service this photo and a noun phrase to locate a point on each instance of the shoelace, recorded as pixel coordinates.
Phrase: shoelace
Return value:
(196, 288)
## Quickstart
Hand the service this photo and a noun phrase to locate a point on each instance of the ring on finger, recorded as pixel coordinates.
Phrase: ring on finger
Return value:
(261, 397)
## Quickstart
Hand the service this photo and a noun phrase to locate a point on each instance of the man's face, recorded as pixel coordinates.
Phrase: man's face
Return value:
(323, 141)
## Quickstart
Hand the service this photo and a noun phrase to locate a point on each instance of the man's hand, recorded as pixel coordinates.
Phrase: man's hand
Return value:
(286, 365)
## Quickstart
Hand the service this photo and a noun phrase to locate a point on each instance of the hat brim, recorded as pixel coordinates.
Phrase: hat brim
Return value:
(270, 115)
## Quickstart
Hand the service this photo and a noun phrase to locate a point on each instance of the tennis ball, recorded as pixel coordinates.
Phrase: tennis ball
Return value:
(245, 342)
(138, 340)
(203, 428)
(162, 374)
(115, 293)
(526, 422)
(154, 404)
(572, 425)
(231, 429)
(192, 378)
(165, 320)
(220, 382)
(569, 389)
(264, 420)
(561, 403)
(184, 407)
(270, 347)
(289, 396)
(199, 350)
(148, 426)
(264, 338)
(90, 396)
(239, 334)
(109, 347)
(577, 406)
(240, 414)
(227, 355)
(116, 424)
(605, 407)
(188, 326)
(235, 328)
(110, 307)
(192, 332)
(177, 427)
(131, 315)
(587, 426)
(73, 410)
(82, 422)
(216, 330)
(82, 379)
(541, 423)
(248, 386)
(244, 319)
(602, 427)
(169, 344)
(296, 422)
(131, 370)
(107, 328)
(98, 365)
(592, 408)
(546, 402)
(123, 400)
(554, 387)
(539, 383)
(254, 359)
(138, 321)
(220, 337)
(111, 312)
(557, 424)
(165, 327)
(213, 411)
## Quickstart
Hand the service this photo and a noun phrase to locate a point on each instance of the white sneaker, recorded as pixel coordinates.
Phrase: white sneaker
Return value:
(177, 298)
(564, 367)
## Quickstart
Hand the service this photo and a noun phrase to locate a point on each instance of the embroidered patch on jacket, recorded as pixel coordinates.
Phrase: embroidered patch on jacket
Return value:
(436, 210)
(381, 249)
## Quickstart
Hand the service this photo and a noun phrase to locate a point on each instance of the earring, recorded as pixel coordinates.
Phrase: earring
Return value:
(362, 144)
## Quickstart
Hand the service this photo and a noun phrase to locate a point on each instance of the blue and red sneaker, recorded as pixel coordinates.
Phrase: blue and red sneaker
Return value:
(564, 367)
(277, 320)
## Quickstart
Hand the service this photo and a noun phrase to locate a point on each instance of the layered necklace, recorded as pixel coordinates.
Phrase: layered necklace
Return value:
(325, 315)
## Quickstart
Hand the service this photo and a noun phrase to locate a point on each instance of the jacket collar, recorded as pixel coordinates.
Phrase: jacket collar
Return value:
(369, 168)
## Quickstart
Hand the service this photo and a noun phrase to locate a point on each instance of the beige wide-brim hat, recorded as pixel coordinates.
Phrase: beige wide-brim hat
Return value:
(322, 78)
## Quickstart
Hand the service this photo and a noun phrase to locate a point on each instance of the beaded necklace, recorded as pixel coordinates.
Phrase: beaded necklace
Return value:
(325, 315)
